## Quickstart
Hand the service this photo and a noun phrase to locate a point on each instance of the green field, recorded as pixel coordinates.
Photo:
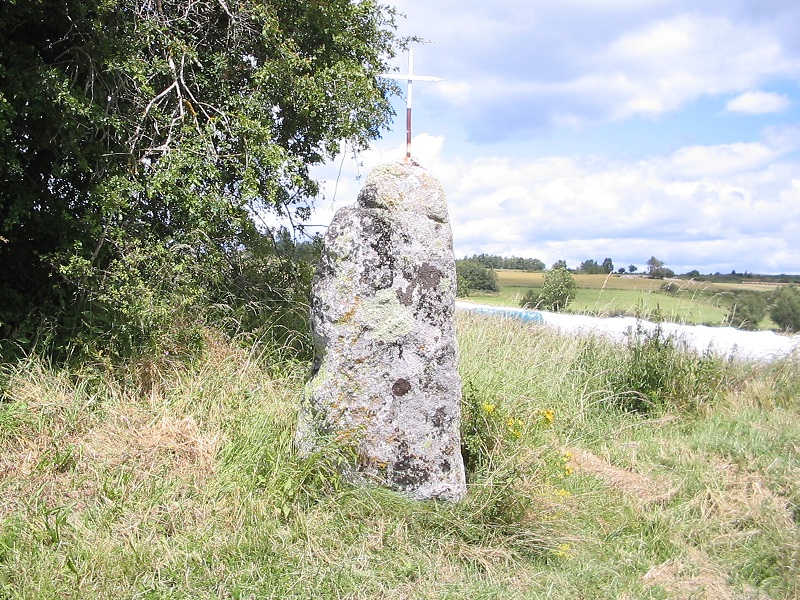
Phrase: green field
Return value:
(700, 303)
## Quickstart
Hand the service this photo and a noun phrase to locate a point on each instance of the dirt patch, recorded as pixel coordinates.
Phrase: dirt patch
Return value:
(694, 576)
(745, 498)
(640, 486)
(148, 445)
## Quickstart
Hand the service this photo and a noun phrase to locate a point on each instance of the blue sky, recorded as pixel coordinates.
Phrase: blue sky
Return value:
(617, 128)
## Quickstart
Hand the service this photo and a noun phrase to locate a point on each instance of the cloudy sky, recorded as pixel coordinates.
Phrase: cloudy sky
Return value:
(617, 128)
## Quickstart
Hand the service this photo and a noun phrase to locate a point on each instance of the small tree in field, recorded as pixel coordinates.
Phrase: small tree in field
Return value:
(558, 291)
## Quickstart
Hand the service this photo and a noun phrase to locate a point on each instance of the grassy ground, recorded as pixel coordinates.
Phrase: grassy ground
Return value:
(161, 481)
(700, 303)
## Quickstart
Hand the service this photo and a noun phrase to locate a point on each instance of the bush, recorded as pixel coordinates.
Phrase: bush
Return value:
(748, 309)
(785, 310)
(462, 286)
(558, 291)
(671, 288)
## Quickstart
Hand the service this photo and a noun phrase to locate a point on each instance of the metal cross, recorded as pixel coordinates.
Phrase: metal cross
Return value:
(410, 78)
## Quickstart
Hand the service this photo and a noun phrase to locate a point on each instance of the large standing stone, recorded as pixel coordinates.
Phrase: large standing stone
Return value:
(385, 376)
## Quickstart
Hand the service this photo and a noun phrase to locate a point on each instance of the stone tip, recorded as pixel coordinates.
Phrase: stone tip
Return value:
(404, 186)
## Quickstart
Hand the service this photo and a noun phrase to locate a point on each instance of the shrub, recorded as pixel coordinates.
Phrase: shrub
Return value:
(477, 275)
(785, 310)
(462, 286)
(558, 291)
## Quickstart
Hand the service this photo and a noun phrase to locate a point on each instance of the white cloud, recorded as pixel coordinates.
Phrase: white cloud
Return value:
(759, 103)
(722, 160)
(664, 65)
(647, 67)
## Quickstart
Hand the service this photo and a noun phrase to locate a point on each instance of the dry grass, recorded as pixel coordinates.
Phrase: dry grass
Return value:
(693, 577)
(641, 487)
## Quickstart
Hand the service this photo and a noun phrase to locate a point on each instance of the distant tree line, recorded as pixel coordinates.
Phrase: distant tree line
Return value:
(592, 267)
(515, 262)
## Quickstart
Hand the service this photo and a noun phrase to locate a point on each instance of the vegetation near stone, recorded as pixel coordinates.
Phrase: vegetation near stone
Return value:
(594, 470)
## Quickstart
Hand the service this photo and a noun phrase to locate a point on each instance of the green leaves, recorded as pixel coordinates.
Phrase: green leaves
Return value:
(168, 123)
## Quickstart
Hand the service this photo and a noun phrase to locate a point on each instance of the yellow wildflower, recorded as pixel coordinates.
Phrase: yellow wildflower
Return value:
(562, 551)
(488, 407)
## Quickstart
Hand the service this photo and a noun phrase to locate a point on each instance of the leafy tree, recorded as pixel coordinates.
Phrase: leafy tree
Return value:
(535, 265)
(621, 270)
(559, 264)
(462, 286)
(141, 139)
(608, 265)
(632, 268)
(785, 309)
(476, 276)
(558, 291)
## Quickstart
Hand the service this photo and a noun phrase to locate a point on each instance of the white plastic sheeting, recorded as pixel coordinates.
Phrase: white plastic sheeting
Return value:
(724, 341)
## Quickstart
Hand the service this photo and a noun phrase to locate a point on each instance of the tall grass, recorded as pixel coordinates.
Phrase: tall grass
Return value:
(168, 479)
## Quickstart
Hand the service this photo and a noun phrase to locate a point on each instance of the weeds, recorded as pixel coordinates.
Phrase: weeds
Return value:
(657, 372)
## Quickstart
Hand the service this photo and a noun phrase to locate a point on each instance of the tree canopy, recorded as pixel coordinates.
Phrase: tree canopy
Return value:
(133, 129)
(657, 270)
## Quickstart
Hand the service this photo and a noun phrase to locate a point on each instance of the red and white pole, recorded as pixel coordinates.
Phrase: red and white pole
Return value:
(409, 77)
